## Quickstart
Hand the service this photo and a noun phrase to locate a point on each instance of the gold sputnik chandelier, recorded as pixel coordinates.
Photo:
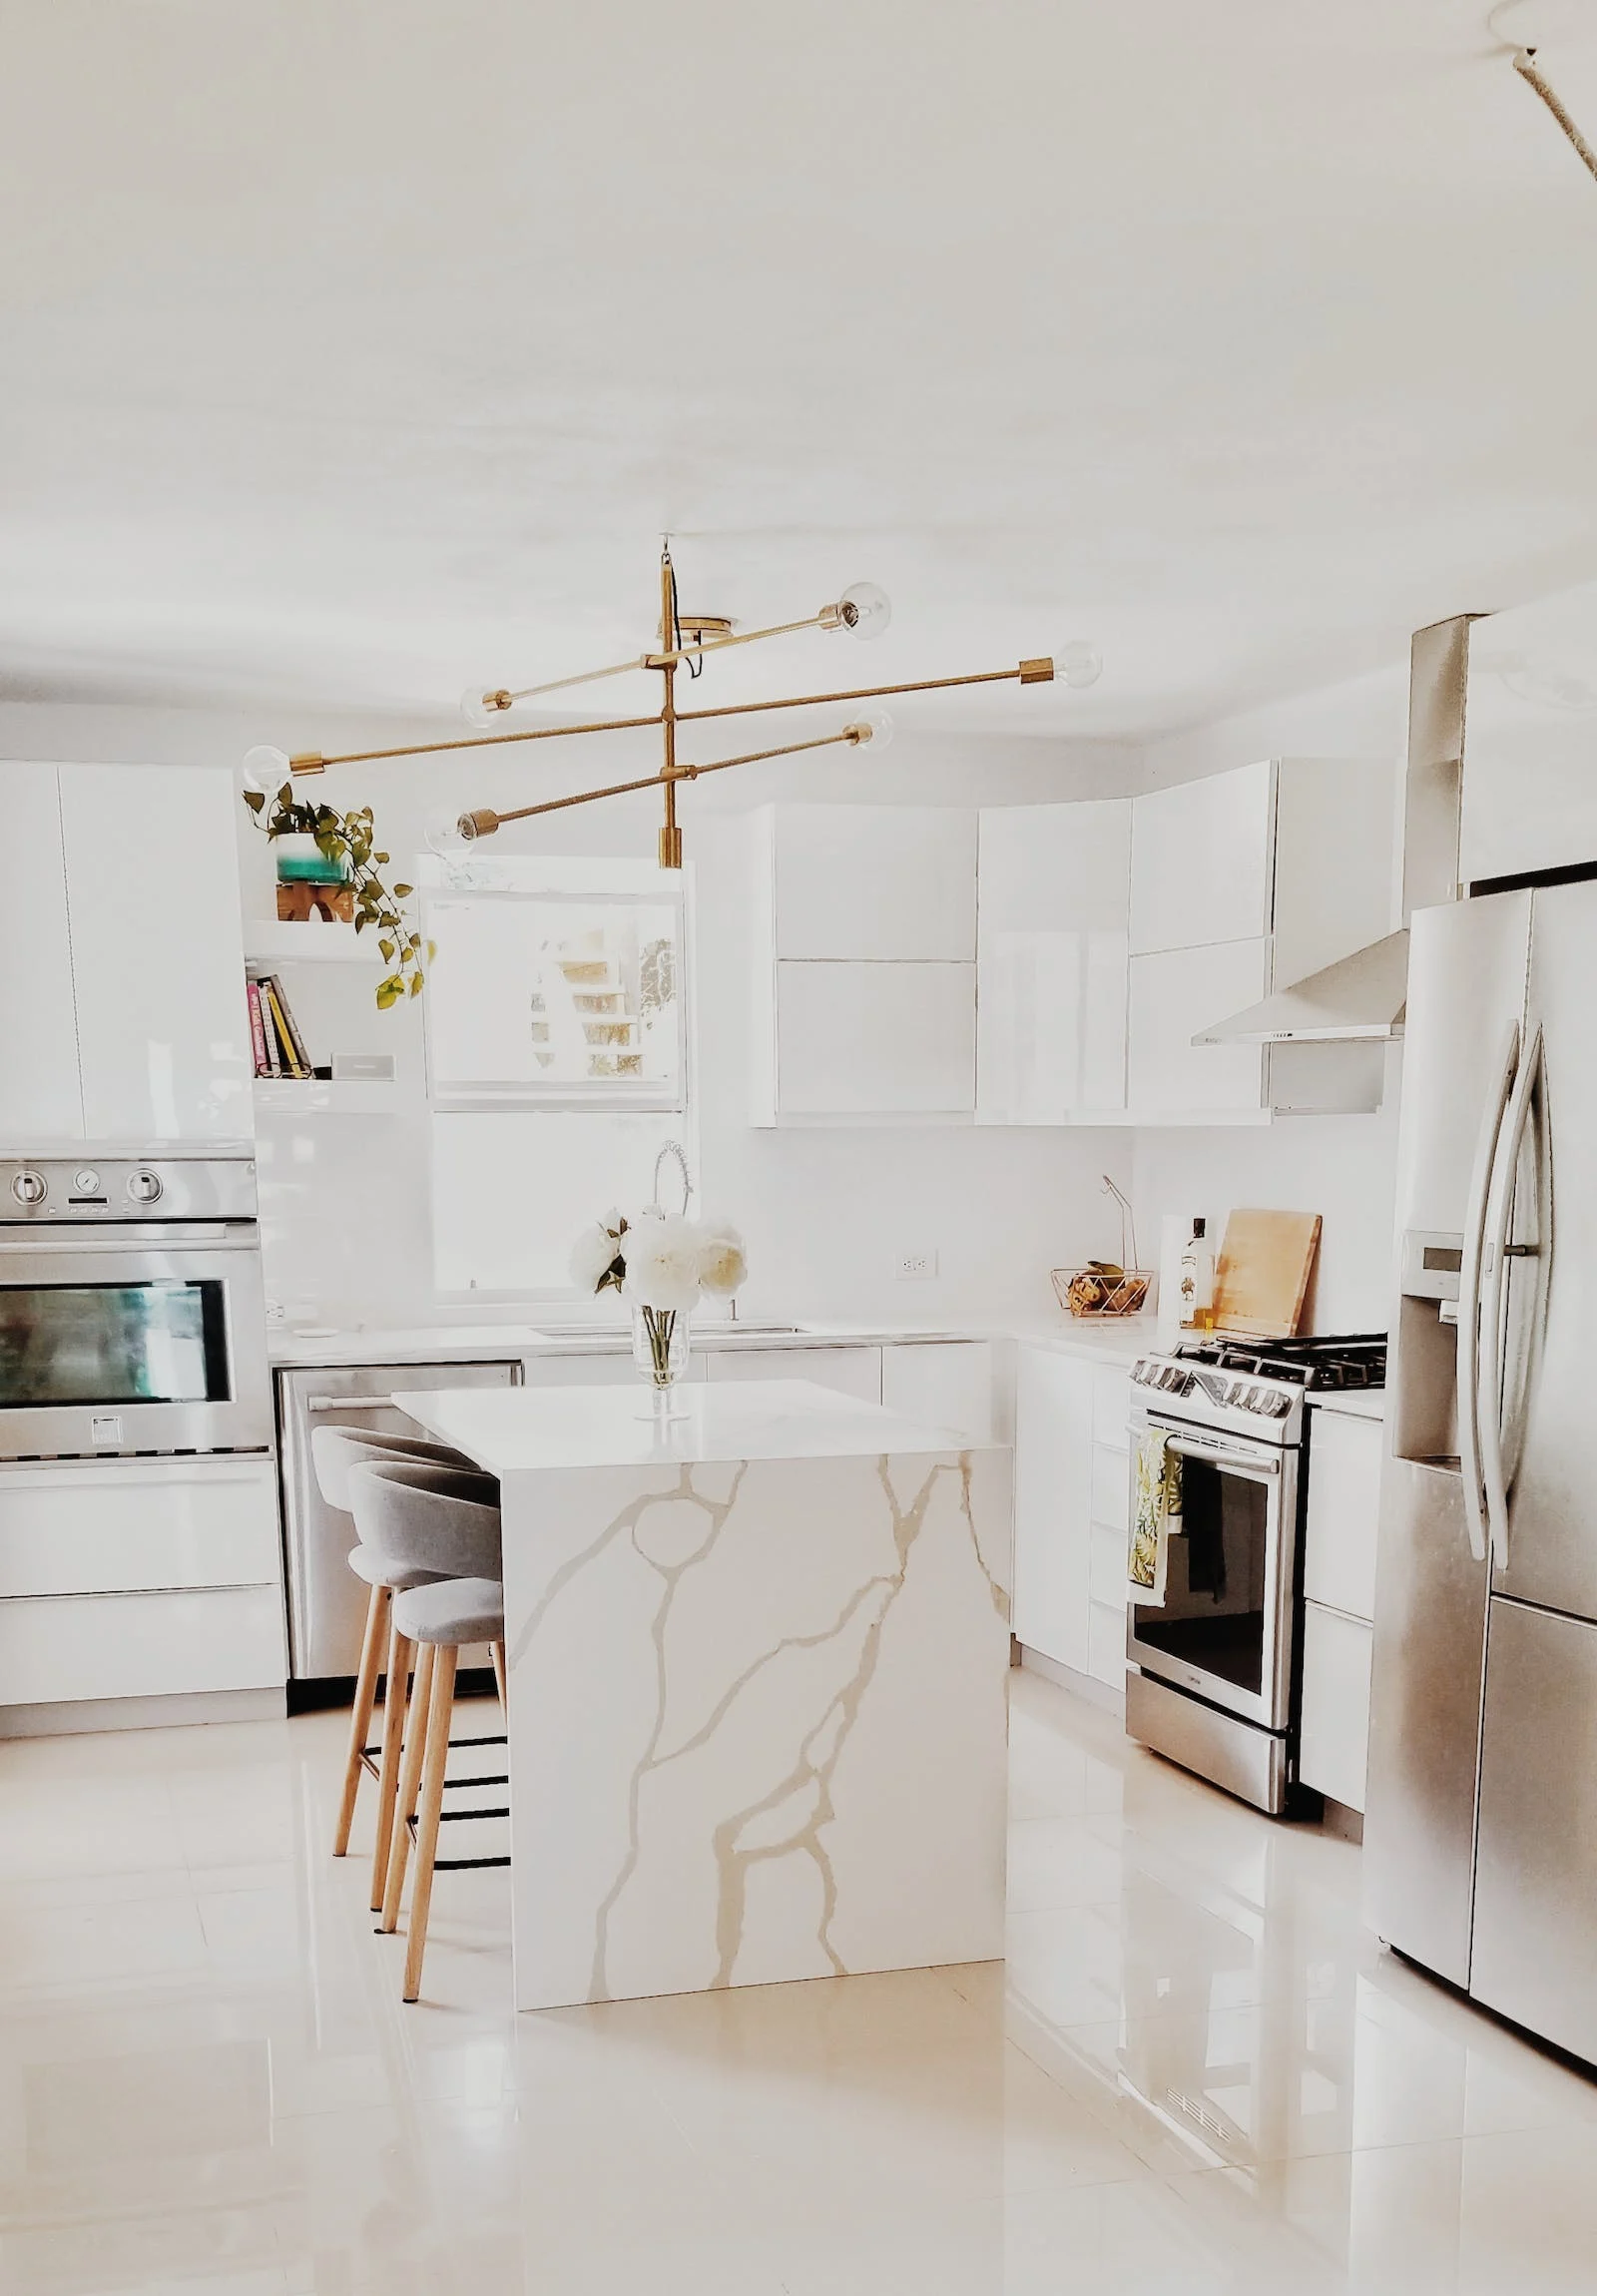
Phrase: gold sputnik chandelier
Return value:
(684, 641)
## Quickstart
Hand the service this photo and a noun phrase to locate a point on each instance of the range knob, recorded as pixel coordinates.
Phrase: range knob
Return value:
(144, 1187)
(1276, 1404)
(30, 1188)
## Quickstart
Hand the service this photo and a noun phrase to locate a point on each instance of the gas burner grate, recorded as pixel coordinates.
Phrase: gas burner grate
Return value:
(1332, 1365)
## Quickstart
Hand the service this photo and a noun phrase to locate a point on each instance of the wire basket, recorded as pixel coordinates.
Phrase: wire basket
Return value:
(1101, 1290)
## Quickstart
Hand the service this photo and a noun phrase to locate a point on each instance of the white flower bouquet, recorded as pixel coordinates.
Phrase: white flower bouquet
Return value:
(659, 1262)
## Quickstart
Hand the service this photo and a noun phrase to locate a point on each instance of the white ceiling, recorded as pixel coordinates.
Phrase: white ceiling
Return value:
(355, 348)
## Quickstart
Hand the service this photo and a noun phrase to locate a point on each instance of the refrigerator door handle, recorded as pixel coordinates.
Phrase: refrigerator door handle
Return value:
(1470, 1467)
(1501, 1212)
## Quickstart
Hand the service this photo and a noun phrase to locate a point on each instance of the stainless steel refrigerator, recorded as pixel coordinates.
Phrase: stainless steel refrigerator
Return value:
(1480, 1828)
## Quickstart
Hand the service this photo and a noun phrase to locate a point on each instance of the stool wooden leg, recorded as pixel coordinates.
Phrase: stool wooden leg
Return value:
(400, 1653)
(360, 1720)
(438, 1717)
(410, 1783)
(498, 1650)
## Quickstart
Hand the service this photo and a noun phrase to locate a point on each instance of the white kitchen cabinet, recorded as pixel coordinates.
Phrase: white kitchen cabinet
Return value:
(942, 1383)
(120, 932)
(1201, 860)
(1529, 793)
(1071, 1489)
(615, 1370)
(106, 1526)
(1240, 884)
(1173, 994)
(862, 1040)
(1335, 1704)
(851, 1370)
(93, 1646)
(1054, 883)
(156, 952)
(1053, 1506)
(1344, 1453)
(874, 883)
(41, 1096)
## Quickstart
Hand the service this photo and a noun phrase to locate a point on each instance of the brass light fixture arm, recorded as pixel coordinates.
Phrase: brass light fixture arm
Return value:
(502, 697)
(484, 820)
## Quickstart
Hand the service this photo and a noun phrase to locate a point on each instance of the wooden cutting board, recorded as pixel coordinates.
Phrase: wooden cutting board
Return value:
(1261, 1275)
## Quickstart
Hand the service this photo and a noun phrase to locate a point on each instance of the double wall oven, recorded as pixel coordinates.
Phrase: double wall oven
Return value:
(131, 1314)
(1217, 1664)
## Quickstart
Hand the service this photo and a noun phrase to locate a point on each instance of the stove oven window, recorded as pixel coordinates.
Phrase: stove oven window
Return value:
(156, 1343)
(1213, 1616)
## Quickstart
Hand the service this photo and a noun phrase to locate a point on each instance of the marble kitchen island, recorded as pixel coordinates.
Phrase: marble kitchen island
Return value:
(758, 1684)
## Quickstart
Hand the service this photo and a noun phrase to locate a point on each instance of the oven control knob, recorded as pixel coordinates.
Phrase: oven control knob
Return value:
(86, 1182)
(1278, 1406)
(30, 1188)
(144, 1187)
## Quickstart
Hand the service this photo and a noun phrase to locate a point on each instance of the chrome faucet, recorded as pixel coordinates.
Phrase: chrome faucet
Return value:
(674, 1148)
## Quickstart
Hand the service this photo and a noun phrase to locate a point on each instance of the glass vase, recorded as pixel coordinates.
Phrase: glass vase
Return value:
(659, 1347)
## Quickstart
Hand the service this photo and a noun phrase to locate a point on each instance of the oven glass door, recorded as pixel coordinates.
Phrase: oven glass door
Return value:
(128, 1343)
(1222, 1627)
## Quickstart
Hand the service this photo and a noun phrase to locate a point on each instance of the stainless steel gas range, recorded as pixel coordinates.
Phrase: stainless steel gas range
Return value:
(1215, 1667)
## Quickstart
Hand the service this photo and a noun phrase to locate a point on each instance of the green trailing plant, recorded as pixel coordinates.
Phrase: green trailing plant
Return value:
(349, 840)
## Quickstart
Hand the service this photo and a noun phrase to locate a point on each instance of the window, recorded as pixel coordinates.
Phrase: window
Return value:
(558, 1055)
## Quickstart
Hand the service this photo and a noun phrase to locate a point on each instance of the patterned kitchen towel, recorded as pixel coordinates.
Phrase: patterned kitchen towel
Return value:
(1157, 1516)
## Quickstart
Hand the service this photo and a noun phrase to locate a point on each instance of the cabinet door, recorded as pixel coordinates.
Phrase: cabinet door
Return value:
(156, 952)
(876, 881)
(851, 1370)
(945, 1383)
(1053, 1506)
(1343, 1511)
(141, 1645)
(40, 1097)
(1529, 796)
(1335, 1709)
(100, 1527)
(875, 1039)
(1172, 997)
(1054, 883)
(1201, 861)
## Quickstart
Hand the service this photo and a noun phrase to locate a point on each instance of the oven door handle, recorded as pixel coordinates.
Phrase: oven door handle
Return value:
(1237, 1462)
(351, 1403)
(174, 1235)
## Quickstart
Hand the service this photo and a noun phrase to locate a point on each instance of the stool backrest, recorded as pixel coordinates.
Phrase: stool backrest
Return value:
(427, 1517)
(334, 1451)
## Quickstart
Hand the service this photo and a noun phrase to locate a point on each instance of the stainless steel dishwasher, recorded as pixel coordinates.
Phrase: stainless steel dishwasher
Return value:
(326, 1602)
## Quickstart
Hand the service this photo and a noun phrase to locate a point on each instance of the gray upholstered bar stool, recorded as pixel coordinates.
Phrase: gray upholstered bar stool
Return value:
(421, 1519)
(333, 1452)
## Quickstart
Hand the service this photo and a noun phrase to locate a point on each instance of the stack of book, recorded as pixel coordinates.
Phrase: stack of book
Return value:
(279, 1048)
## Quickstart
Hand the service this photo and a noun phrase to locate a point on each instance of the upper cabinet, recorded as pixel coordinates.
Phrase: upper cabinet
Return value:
(864, 970)
(121, 913)
(1529, 793)
(1054, 885)
(1242, 883)
(1105, 934)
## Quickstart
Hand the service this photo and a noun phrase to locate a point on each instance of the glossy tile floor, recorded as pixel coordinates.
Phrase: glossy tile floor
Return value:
(1200, 2076)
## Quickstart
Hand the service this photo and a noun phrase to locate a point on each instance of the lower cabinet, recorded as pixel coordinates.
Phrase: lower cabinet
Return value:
(1336, 1711)
(89, 1647)
(852, 1370)
(1071, 1486)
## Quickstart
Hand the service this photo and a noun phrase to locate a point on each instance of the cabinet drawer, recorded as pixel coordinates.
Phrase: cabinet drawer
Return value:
(1106, 1643)
(141, 1645)
(1111, 1408)
(116, 1525)
(1110, 1489)
(1344, 1509)
(851, 1370)
(1336, 1714)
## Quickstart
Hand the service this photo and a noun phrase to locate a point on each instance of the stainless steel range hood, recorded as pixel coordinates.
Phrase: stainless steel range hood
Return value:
(1360, 998)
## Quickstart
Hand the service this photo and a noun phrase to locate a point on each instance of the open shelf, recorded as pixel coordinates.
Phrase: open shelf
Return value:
(269, 944)
(316, 1096)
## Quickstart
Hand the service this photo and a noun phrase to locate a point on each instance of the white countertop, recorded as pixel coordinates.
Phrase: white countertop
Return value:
(520, 1430)
(477, 1343)
(1104, 1340)
(1353, 1402)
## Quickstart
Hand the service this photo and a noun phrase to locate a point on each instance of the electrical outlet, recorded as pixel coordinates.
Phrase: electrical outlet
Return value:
(915, 1266)
(276, 1311)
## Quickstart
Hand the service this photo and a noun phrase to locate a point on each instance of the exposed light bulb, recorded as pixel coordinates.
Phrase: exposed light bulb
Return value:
(865, 610)
(443, 833)
(264, 771)
(1078, 663)
(872, 726)
(483, 707)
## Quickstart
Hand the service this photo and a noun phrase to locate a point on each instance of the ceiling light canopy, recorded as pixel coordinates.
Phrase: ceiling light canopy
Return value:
(685, 641)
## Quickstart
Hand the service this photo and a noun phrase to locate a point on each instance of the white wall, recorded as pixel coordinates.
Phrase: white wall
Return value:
(1343, 1167)
(344, 1200)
